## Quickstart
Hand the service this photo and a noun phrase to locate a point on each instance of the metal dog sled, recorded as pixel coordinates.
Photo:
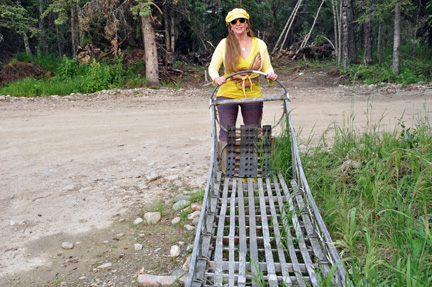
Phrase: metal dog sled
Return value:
(254, 228)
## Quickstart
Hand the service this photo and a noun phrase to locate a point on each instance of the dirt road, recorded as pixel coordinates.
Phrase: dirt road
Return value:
(80, 168)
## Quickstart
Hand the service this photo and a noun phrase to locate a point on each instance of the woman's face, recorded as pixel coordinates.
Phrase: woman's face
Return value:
(238, 27)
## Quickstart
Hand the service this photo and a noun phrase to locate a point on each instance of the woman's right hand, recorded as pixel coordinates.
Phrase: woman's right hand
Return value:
(220, 80)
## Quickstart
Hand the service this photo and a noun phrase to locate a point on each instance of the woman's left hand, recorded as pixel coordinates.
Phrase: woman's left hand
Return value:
(272, 76)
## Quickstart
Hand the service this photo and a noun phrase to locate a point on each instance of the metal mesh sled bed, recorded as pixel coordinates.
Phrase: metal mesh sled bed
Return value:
(255, 229)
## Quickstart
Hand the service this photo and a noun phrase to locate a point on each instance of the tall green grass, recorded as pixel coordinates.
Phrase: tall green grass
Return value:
(374, 190)
(70, 77)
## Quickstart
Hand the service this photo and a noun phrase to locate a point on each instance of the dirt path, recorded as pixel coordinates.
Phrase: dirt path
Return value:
(81, 168)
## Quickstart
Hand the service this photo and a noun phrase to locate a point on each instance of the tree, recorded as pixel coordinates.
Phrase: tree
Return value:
(346, 59)
(61, 8)
(15, 17)
(143, 9)
(367, 26)
(396, 39)
(41, 48)
(351, 34)
(337, 30)
(287, 27)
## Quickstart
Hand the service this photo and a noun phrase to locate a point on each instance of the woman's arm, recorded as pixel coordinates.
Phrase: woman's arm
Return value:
(217, 60)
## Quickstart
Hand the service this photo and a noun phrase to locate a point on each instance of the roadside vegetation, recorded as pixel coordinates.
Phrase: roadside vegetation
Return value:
(374, 191)
(413, 69)
(63, 76)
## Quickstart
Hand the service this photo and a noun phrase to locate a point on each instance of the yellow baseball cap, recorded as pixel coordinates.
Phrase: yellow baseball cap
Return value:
(235, 14)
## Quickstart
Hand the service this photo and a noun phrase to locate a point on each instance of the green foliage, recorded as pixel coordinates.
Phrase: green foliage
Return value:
(198, 196)
(60, 8)
(374, 189)
(381, 74)
(22, 57)
(143, 8)
(67, 69)
(281, 160)
(412, 70)
(70, 77)
(17, 18)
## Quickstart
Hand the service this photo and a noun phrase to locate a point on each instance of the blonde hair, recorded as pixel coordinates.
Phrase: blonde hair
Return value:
(232, 51)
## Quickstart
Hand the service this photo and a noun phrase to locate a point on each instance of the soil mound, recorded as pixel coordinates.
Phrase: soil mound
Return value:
(19, 70)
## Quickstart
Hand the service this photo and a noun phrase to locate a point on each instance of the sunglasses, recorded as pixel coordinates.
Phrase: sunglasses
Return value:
(235, 21)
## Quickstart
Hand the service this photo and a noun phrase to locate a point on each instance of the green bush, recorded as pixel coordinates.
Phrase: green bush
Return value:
(70, 77)
(67, 69)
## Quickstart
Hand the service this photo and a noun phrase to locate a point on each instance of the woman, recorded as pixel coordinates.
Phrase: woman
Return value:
(240, 51)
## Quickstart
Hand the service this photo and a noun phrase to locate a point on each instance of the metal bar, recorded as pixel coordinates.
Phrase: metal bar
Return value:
(265, 278)
(220, 233)
(262, 266)
(289, 238)
(310, 231)
(299, 234)
(253, 248)
(242, 235)
(271, 272)
(232, 233)
(276, 227)
(250, 100)
(210, 180)
(206, 234)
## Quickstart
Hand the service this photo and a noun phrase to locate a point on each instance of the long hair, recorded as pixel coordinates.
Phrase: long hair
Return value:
(232, 51)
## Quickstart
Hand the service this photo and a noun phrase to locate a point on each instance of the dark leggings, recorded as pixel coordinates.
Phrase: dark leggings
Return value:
(251, 113)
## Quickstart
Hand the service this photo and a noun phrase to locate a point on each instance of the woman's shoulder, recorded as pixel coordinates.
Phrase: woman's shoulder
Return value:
(261, 42)
(223, 41)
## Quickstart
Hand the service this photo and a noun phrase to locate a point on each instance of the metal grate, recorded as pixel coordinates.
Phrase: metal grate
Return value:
(261, 232)
(248, 151)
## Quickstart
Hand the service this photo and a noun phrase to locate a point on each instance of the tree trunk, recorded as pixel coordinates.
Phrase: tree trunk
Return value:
(379, 40)
(396, 40)
(26, 44)
(306, 38)
(151, 57)
(367, 57)
(351, 33)
(430, 38)
(25, 37)
(42, 39)
(287, 27)
(172, 26)
(313, 25)
(415, 30)
(74, 48)
(78, 30)
(167, 35)
(58, 41)
(336, 28)
(345, 38)
(167, 31)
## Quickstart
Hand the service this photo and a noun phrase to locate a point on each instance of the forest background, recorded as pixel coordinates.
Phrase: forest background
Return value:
(143, 43)
(378, 214)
